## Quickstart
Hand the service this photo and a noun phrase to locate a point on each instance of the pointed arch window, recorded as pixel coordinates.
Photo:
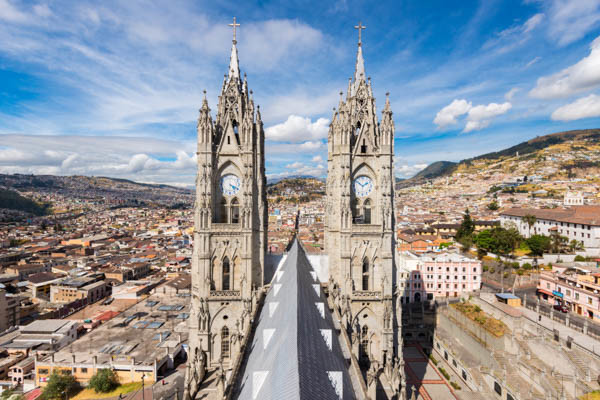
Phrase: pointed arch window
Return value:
(357, 129)
(223, 211)
(236, 131)
(235, 211)
(364, 343)
(225, 342)
(365, 274)
(367, 211)
(363, 148)
(226, 274)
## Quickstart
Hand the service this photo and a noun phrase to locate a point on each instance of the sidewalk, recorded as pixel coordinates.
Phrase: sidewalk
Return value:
(579, 338)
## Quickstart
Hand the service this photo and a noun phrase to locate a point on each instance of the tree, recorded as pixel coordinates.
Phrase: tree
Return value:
(530, 220)
(493, 206)
(558, 242)
(538, 244)
(467, 227)
(499, 240)
(59, 385)
(104, 381)
(575, 245)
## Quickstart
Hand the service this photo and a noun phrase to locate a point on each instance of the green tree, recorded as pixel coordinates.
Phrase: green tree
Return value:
(493, 206)
(575, 245)
(530, 220)
(538, 244)
(558, 243)
(104, 381)
(467, 227)
(60, 385)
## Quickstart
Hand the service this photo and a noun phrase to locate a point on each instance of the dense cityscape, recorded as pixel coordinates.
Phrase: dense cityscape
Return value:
(162, 236)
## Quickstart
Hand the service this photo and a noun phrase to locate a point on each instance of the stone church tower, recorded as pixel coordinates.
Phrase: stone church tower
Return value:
(230, 226)
(359, 233)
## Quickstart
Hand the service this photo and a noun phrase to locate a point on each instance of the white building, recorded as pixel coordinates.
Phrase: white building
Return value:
(580, 223)
(574, 199)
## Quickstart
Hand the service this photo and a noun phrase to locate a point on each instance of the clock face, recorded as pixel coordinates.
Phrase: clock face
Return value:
(230, 184)
(363, 186)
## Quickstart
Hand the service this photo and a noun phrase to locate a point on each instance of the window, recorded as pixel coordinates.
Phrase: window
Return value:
(43, 371)
(223, 211)
(226, 273)
(235, 211)
(576, 295)
(83, 370)
(225, 342)
(364, 343)
(589, 300)
(367, 211)
(365, 274)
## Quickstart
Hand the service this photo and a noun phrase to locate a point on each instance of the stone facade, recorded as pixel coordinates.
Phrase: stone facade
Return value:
(359, 232)
(230, 227)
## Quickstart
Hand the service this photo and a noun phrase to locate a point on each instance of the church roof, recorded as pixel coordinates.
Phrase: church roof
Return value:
(295, 353)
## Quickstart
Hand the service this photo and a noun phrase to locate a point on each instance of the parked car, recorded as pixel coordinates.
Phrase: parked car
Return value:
(561, 308)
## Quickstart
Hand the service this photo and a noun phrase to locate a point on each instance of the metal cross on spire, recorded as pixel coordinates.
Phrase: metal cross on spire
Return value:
(360, 27)
(234, 25)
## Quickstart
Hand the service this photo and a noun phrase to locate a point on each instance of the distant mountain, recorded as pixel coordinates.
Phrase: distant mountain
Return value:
(438, 168)
(14, 201)
(445, 168)
(273, 181)
(112, 190)
(541, 142)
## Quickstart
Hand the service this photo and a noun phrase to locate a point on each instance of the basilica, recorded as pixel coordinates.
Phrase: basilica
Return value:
(268, 327)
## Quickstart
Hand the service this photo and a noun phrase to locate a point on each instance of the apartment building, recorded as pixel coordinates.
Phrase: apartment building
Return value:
(575, 285)
(437, 275)
(90, 288)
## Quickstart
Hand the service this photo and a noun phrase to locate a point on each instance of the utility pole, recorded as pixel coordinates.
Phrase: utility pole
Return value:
(143, 376)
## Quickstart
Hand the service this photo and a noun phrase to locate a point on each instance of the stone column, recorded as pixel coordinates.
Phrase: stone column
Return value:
(537, 306)
(567, 318)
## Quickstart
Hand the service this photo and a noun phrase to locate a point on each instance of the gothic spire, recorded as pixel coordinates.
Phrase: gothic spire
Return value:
(359, 71)
(234, 65)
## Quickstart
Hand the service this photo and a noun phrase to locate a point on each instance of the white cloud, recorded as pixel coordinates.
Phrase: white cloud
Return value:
(511, 93)
(297, 129)
(480, 116)
(300, 102)
(295, 165)
(585, 107)
(271, 41)
(447, 115)
(408, 170)
(533, 61)
(11, 13)
(577, 78)
(532, 22)
(142, 159)
(570, 20)
(317, 159)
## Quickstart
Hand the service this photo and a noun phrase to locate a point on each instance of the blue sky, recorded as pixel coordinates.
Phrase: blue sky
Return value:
(113, 88)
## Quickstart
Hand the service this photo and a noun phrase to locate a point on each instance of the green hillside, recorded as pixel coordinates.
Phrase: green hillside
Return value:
(14, 201)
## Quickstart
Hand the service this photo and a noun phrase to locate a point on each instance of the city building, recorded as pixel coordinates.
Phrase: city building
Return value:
(574, 285)
(145, 340)
(581, 223)
(9, 310)
(428, 276)
(91, 288)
